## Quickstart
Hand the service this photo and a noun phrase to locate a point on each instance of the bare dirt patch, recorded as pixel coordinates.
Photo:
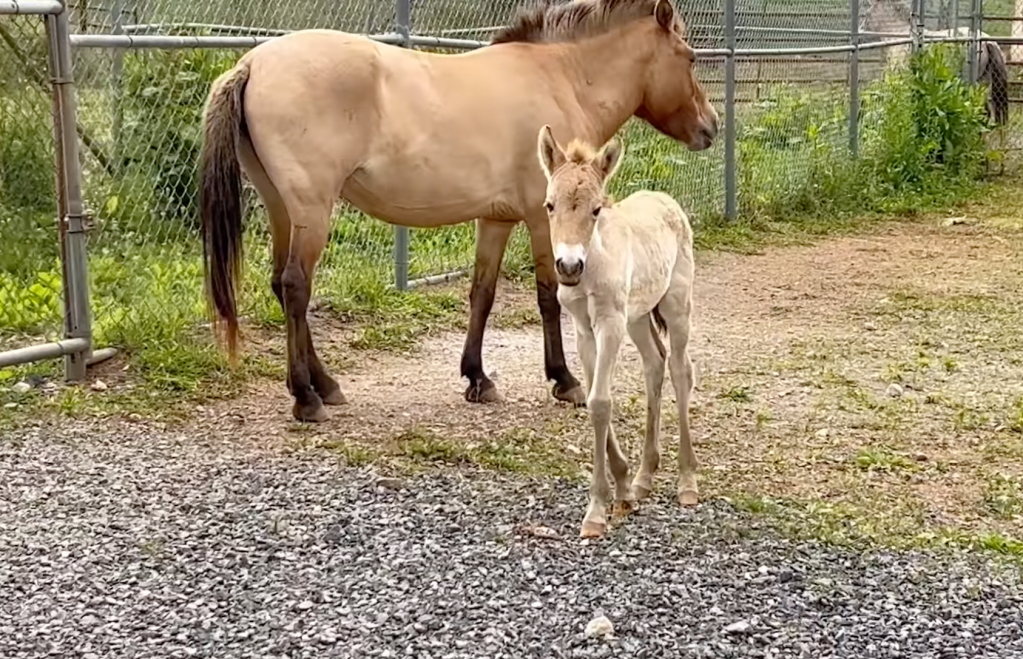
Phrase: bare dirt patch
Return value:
(874, 380)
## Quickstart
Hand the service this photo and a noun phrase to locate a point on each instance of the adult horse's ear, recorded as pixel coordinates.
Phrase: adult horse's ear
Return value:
(608, 159)
(550, 153)
(665, 13)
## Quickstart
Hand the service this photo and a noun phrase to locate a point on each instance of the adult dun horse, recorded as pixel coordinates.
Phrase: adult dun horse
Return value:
(427, 140)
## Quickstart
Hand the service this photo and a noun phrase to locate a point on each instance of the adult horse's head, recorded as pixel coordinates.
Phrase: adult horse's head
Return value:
(646, 39)
(674, 102)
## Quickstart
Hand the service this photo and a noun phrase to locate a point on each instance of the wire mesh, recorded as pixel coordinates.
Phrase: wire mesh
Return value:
(139, 123)
(30, 273)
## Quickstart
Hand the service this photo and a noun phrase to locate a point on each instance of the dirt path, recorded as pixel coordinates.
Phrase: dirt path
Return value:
(876, 378)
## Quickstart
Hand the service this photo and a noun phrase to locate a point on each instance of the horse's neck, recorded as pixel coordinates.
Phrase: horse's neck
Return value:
(608, 73)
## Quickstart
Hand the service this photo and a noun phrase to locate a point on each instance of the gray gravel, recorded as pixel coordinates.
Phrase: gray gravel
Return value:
(139, 543)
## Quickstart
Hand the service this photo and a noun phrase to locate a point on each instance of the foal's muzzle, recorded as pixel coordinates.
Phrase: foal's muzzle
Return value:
(569, 270)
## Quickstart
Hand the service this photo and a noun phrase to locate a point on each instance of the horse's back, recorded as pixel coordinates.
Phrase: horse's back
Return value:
(654, 214)
(647, 235)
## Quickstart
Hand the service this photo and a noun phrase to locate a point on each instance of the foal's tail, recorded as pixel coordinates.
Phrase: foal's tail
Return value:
(220, 198)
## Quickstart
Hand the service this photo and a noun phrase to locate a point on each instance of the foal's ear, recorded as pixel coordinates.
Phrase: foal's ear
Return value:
(607, 161)
(665, 13)
(550, 154)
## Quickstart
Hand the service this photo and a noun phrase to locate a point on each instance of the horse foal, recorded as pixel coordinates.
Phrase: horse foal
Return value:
(626, 267)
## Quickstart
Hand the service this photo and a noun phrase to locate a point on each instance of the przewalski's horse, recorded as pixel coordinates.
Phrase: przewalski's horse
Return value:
(626, 267)
(427, 140)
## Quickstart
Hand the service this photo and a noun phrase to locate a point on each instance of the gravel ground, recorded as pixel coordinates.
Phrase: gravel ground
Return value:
(142, 543)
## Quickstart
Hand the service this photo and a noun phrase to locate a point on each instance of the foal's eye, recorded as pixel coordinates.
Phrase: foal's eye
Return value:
(596, 212)
(549, 206)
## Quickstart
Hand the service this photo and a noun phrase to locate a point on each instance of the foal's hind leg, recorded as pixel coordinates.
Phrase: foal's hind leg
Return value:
(676, 309)
(652, 351)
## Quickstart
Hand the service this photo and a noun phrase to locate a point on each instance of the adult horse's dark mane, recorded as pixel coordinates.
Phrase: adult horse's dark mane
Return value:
(549, 21)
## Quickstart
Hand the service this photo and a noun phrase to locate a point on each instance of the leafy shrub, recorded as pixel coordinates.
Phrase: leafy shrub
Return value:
(164, 93)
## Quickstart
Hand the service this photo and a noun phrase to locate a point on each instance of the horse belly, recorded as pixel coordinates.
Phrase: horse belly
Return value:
(420, 191)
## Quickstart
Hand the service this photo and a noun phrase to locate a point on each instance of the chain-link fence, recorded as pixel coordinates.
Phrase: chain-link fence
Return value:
(787, 77)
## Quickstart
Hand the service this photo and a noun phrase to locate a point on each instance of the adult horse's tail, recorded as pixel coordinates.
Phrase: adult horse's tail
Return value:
(998, 74)
(220, 198)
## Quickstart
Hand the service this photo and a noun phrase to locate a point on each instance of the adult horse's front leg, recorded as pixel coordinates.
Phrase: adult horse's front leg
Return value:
(566, 386)
(491, 240)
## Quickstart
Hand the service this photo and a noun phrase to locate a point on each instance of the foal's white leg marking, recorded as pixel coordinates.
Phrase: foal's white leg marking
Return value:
(651, 350)
(609, 331)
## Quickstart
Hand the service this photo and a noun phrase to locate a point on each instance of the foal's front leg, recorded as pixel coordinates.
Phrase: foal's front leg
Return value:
(609, 331)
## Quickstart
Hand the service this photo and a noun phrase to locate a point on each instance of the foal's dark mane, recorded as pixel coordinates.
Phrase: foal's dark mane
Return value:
(548, 21)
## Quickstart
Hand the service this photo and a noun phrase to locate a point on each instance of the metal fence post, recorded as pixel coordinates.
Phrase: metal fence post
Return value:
(77, 320)
(854, 78)
(974, 46)
(916, 23)
(401, 234)
(731, 193)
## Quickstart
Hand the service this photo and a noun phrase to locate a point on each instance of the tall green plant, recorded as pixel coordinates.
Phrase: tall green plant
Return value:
(164, 93)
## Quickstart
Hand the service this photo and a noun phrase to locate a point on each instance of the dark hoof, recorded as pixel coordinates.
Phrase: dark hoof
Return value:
(312, 412)
(484, 392)
(334, 396)
(576, 396)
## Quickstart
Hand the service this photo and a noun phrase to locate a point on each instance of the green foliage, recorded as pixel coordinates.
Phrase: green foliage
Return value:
(163, 95)
(26, 153)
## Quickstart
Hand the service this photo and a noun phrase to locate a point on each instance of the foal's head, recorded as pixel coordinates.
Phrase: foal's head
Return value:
(576, 195)
(673, 100)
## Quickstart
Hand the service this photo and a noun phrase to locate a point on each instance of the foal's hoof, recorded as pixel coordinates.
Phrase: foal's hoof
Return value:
(310, 412)
(639, 492)
(335, 397)
(484, 392)
(688, 498)
(592, 530)
(576, 396)
(622, 509)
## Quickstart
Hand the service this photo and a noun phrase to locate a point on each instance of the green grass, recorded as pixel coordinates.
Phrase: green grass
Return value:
(796, 182)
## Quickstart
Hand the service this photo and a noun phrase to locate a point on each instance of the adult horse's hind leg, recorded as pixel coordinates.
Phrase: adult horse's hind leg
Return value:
(280, 233)
(491, 240)
(566, 386)
(310, 385)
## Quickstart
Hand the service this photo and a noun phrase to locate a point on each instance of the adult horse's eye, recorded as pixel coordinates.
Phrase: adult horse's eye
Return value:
(596, 212)
(549, 206)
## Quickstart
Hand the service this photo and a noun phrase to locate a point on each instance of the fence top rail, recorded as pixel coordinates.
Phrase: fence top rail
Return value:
(30, 7)
(131, 41)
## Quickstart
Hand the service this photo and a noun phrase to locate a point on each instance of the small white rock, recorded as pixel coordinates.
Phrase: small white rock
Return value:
(21, 388)
(740, 627)
(99, 385)
(894, 390)
(600, 627)
(822, 433)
